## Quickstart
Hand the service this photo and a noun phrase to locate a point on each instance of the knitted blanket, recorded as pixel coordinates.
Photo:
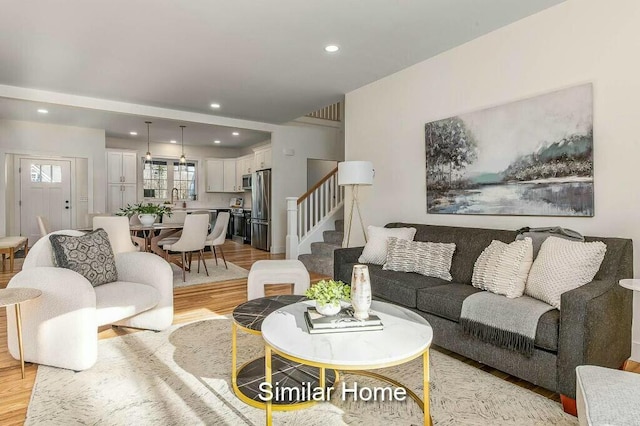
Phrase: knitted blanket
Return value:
(504, 322)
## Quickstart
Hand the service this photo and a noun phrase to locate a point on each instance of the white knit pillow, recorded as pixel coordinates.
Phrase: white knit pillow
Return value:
(375, 251)
(503, 268)
(563, 265)
(426, 258)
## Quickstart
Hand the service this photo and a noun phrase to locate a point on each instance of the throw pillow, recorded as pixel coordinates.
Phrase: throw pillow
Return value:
(375, 251)
(90, 255)
(503, 268)
(561, 266)
(425, 258)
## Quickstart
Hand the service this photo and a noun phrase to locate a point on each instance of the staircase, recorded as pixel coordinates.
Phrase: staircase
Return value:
(320, 260)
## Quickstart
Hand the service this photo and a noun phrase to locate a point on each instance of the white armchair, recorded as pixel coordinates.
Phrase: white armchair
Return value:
(60, 327)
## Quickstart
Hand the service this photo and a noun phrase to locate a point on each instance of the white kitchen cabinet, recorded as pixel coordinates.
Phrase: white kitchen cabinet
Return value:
(122, 167)
(120, 195)
(263, 158)
(214, 175)
(244, 166)
(230, 184)
(122, 177)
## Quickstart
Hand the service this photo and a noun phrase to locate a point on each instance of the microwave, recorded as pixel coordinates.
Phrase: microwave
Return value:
(246, 182)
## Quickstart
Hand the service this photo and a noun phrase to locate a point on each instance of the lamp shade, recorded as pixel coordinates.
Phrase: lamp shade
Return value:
(355, 173)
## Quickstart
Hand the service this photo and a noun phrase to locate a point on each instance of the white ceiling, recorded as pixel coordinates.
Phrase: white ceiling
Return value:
(261, 60)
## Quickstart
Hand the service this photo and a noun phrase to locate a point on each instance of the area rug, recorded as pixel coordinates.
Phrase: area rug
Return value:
(216, 273)
(182, 376)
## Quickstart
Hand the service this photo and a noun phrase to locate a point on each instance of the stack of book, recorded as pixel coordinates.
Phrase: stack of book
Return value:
(343, 321)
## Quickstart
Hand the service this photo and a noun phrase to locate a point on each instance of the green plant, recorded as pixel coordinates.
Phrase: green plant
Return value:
(148, 208)
(329, 291)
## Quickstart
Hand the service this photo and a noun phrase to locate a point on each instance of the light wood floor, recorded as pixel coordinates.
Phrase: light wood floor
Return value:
(190, 303)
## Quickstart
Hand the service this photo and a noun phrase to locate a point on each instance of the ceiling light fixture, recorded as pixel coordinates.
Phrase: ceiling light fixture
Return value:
(43, 111)
(235, 134)
(332, 48)
(172, 141)
(215, 105)
(216, 141)
(183, 159)
(133, 133)
(148, 156)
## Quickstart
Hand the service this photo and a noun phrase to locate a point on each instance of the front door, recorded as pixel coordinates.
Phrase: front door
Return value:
(45, 190)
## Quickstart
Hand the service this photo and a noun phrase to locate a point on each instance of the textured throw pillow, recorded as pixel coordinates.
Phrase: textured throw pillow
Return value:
(90, 255)
(503, 268)
(561, 266)
(375, 251)
(426, 258)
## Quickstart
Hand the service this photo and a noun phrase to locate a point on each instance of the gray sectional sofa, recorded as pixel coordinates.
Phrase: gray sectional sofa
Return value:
(592, 327)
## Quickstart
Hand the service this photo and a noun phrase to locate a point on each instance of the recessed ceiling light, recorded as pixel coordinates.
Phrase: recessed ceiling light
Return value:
(215, 105)
(235, 134)
(172, 141)
(216, 141)
(43, 111)
(133, 133)
(332, 48)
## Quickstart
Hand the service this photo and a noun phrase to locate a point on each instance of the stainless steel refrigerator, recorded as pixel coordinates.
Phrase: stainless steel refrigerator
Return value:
(261, 210)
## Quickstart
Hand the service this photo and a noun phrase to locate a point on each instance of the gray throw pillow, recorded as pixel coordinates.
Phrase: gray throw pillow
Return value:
(90, 255)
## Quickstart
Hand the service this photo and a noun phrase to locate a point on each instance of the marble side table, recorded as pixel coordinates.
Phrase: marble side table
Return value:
(16, 296)
(634, 284)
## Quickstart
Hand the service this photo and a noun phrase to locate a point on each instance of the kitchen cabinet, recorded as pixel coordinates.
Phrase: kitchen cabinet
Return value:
(119, 196)
(244, 166)
(122, 177)
(214, 175)
(263, 158)
(121, 167)
(230, 184)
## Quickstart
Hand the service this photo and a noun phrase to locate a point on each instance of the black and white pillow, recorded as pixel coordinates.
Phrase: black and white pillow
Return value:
(90, 255)
(425, 258)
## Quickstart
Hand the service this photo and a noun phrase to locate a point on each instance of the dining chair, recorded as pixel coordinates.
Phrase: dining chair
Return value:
(117, 227)
(194, 235)
(43, 226)
(218, 234)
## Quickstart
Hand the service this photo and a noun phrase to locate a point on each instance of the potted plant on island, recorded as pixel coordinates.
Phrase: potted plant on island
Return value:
(328, 294)
(147, 213)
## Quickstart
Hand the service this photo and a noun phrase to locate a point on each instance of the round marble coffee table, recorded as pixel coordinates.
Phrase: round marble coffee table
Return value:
(16, 296)
(406, 336)
(246, 379)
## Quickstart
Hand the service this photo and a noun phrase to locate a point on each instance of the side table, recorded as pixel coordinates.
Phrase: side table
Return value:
(16, 296)
(634, 284)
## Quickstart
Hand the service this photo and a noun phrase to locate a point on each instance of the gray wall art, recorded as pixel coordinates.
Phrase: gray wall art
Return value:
(532, 157)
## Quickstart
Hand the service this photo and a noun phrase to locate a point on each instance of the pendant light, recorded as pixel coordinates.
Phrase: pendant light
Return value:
(183, 159)
(148, 156)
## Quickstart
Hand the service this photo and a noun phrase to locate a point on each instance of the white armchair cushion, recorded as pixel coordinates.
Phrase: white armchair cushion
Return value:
(119, 299)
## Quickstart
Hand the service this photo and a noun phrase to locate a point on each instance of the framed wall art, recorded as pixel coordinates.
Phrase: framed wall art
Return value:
(530, 157)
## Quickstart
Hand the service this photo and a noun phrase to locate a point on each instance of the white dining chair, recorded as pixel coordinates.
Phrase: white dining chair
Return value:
(43, 225)
(117, 228)
(218, 234)
(194, 235)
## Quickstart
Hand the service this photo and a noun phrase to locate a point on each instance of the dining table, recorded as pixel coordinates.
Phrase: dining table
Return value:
(152, 240)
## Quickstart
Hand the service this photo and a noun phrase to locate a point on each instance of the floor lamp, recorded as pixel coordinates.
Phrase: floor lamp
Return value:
(355, 173)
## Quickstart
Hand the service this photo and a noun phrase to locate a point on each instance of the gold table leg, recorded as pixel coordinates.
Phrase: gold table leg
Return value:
(267, 379)
(19, 323)
(322, 378)
(234, 353)
(425, 385)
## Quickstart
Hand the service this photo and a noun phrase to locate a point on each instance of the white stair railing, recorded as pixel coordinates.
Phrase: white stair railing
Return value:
(307, 212)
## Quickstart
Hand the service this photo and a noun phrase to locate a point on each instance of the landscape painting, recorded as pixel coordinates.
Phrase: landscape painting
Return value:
(530, 157)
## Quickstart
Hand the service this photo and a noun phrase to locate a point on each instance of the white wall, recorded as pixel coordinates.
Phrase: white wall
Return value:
(575, 42)
(31, 138)
(289, 172)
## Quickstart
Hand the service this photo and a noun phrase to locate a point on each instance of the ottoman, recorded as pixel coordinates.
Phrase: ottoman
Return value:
(9, 246)
(277, 272)
(605, 396)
